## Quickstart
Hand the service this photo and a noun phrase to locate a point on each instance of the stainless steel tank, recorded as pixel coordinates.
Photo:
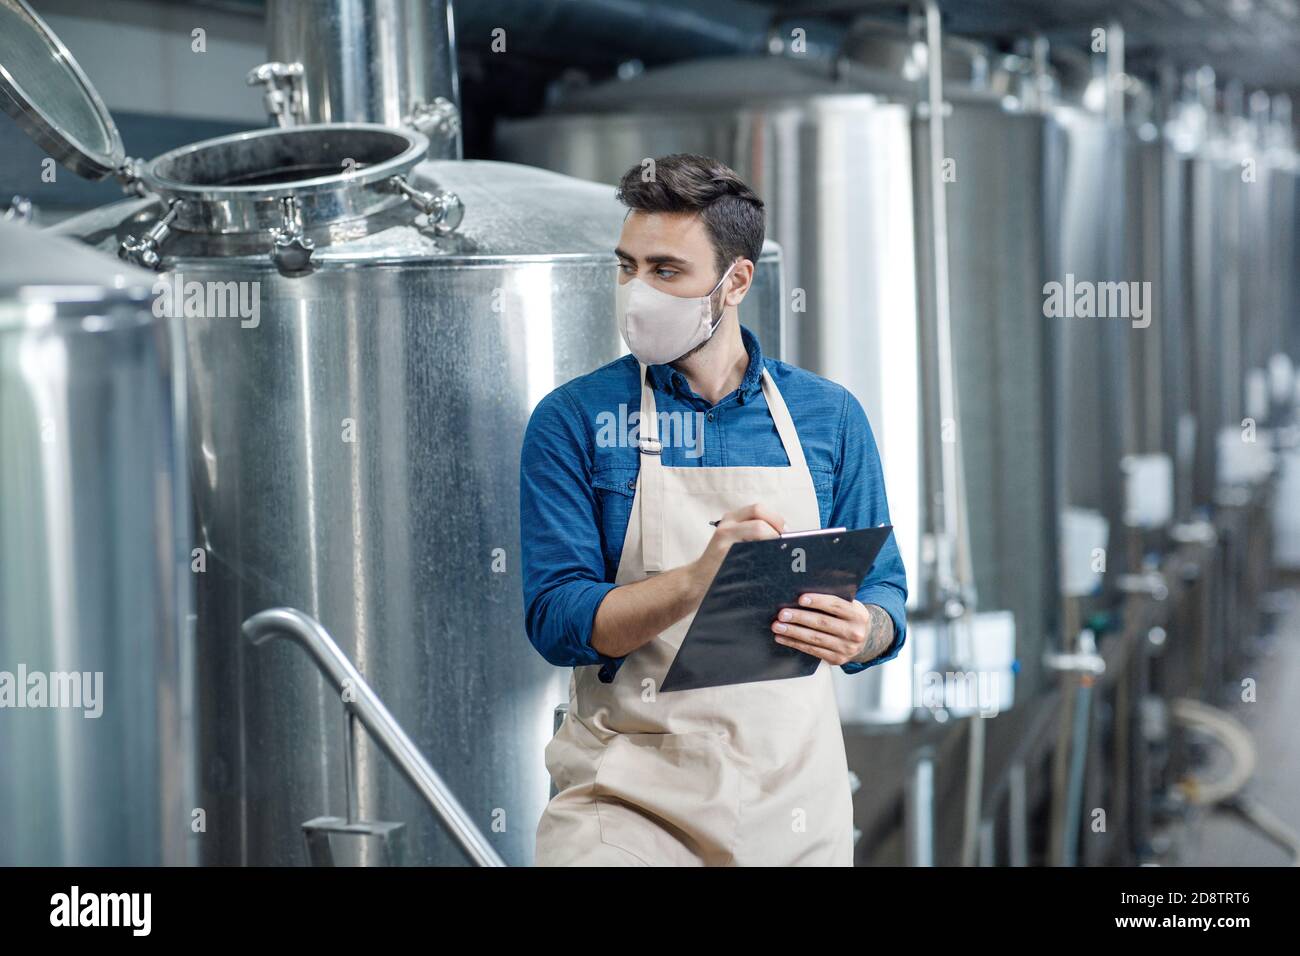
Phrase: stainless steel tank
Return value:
(1179, 291)
(1177, 295)
(382, 61)
(96, 669)
(1229, 149)
(1085, 157)
(1127, 412)
(1195, 225)
(834, 152)
(362, 366)
(1271, 256)
(997, 210)
(1156, 474)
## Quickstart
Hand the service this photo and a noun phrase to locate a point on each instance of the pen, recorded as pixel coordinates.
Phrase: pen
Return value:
(797, 534)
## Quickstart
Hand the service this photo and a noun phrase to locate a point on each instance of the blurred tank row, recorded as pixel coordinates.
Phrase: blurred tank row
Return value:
(1100, 417)
(1082, 493)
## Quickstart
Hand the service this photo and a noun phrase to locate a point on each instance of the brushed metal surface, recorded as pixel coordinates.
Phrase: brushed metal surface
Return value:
(1093, 428)
(94, 563)
(1212, 191)
(997, 210)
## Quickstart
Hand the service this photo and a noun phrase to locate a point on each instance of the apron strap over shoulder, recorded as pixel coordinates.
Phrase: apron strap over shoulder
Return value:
(651, 498)
(784, 423)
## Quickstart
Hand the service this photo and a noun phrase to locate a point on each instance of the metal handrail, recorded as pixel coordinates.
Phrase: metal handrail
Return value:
(361, 702)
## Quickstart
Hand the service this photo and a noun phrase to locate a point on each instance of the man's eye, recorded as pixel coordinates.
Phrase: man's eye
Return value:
(626, 269)
(665, 273)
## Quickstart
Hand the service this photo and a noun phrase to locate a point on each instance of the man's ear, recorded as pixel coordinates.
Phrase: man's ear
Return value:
(738, 283)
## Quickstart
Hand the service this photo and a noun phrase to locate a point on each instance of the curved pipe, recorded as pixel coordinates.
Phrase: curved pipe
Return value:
(363, 703)
(1232, 736)
(1226, 792)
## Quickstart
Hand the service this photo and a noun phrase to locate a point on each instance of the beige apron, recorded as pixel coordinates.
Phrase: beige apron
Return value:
(749, 774)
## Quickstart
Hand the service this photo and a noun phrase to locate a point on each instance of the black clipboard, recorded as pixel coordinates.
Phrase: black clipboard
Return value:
(731, 641)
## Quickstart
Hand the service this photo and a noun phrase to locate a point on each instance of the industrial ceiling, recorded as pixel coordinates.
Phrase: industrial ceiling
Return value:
(1254, 41)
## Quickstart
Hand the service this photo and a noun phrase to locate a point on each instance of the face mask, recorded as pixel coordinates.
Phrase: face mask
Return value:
(660, 328)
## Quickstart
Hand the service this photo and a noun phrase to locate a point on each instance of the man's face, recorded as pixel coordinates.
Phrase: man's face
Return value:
(673, 253)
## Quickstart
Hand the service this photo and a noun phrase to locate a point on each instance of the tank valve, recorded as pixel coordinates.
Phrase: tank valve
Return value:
(444, 209)
(146, 252)
(292, 250)
(440, 118)
(283, 85)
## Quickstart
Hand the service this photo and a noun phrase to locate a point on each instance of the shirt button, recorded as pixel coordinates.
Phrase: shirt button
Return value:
(709, 416)
(632, 484)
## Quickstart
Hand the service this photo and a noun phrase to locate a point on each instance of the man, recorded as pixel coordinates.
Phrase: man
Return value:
(620, 546)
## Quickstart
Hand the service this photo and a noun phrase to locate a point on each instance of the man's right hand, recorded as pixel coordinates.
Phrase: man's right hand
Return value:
(631, 615)
(752, 523)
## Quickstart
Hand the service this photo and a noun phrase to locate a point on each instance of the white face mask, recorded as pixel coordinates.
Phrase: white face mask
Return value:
(660, 328)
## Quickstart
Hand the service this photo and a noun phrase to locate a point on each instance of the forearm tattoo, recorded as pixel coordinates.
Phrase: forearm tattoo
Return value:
(880, 634)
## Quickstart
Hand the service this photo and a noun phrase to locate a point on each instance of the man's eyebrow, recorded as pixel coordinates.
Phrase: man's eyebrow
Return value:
(656, 259)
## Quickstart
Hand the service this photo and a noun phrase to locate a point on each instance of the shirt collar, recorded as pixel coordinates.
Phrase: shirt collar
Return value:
(667, 379)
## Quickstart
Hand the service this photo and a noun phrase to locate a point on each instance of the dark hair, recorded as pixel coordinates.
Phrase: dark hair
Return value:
(684, 182)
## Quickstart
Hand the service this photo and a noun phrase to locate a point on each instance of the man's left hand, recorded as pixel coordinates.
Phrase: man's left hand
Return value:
(836, 630)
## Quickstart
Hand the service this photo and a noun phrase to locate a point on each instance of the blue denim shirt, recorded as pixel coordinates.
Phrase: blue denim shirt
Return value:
(579, 466)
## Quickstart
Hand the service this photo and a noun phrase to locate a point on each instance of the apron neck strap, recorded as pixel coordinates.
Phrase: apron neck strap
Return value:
(784, 423)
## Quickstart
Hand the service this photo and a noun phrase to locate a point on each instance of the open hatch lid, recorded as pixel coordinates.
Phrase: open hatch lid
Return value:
(45, 91)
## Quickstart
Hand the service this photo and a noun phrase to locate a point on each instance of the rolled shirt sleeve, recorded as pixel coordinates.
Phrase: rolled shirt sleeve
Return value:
(562, 561)
(860, 502)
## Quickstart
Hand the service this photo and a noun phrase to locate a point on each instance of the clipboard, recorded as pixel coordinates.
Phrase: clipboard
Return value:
(731, 641)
